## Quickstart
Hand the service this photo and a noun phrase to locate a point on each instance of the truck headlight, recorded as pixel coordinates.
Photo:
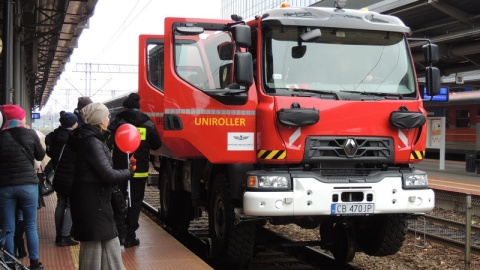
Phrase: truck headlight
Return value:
(411, 181)
(272, 182)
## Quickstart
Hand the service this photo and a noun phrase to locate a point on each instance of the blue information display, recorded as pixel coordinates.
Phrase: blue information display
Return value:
(442, 97)
(35, 115)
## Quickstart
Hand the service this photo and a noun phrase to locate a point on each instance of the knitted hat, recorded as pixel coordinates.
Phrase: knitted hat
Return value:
(82, 102)
(95, 113)
(68, 119)
(13, 112)
(132, 102)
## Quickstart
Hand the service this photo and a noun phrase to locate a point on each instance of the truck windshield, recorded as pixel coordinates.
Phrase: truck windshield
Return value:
(338, 60)
(205, 60)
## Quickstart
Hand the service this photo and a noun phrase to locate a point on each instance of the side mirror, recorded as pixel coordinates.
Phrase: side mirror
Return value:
(244, 69)
(298, 51)
(431, 53)
(432, 81)
(242, 35)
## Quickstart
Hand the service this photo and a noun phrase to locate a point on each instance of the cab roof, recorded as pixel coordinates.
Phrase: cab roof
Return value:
(334, 18)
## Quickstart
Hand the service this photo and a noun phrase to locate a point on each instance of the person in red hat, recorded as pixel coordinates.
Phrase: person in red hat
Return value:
(20, 146)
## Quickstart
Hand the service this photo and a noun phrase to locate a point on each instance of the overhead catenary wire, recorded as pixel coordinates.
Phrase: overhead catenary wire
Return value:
(122, 28)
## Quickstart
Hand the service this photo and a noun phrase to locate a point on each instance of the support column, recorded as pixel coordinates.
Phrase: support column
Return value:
(7, 51)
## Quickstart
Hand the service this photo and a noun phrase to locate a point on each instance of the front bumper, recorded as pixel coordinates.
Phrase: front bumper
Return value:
(312, 197)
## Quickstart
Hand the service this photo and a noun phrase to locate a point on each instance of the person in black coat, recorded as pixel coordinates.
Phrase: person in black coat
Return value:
(92, 214)
(63, 162)
(20, 146)
(150, 140)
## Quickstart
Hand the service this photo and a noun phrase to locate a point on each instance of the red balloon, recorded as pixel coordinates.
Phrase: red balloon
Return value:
(127, 138)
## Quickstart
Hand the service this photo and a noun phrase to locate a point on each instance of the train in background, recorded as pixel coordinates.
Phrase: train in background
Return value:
(462, 115)
(115, 105)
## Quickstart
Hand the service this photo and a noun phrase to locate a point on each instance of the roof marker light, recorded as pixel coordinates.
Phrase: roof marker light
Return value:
(285, 4)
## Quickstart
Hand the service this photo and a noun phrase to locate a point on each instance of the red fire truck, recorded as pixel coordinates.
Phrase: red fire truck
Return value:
(302, 115)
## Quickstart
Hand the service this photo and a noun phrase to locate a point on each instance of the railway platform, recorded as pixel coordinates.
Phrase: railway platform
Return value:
(157, 249)
(453, 177)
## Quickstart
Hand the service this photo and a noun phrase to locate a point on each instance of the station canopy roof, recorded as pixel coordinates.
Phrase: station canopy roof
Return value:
(51, 29)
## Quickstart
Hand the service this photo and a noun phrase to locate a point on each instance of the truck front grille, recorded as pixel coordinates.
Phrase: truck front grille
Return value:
(349, 149)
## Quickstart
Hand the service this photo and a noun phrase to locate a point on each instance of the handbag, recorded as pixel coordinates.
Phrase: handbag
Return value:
(41, 201)
(44, 184)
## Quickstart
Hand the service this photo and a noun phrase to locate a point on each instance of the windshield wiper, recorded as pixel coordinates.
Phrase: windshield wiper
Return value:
(303, 90)
(377, 94)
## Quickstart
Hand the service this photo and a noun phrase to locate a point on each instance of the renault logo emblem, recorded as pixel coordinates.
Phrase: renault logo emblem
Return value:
(350, 147)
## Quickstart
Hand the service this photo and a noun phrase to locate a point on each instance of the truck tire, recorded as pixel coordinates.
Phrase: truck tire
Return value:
(174, 206)
(233, 244)
(382, 235)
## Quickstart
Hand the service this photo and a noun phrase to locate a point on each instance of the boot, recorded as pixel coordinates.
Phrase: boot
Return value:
(18, 242)
(131, 241)
(35, 265)
(12, 266)
(66, 241)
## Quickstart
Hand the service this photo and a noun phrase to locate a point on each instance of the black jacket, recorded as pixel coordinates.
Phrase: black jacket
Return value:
(16, 164)
(150, 140)
(56, 141)
(90, 200)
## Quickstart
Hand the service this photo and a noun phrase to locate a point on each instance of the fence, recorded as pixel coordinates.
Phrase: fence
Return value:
(456, 227)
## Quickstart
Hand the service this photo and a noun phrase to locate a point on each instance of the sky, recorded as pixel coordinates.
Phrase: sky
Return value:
(112, 38)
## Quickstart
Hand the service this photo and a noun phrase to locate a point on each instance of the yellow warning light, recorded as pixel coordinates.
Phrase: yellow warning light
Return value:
(252, 181)
(284, 5)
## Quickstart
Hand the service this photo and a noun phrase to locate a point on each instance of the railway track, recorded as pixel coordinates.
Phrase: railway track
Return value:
(273, 251)
(293, 255)
(444, 231)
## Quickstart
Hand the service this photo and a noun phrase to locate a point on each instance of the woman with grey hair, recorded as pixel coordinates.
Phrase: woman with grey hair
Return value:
(90, 204)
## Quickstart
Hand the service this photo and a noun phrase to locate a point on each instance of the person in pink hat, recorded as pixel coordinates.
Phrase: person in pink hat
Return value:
(20, 146)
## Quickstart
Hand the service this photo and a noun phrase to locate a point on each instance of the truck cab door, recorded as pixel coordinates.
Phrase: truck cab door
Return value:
(151, 80)
(207, 113)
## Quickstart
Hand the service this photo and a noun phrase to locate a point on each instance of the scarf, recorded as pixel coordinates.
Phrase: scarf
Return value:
(14, 123)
